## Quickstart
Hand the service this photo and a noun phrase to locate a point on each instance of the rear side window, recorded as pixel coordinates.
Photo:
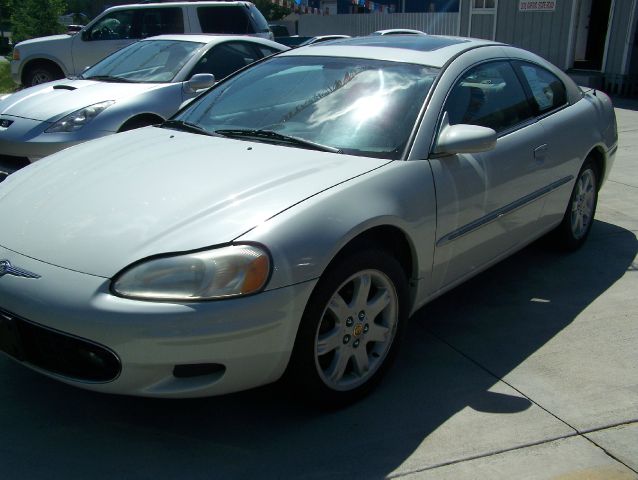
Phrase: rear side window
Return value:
(225, 19)
(260, 23)
(489, 95)
(159, 21)
(547, 89)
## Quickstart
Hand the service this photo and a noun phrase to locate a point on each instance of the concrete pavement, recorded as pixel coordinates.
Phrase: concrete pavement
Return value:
(528, 371)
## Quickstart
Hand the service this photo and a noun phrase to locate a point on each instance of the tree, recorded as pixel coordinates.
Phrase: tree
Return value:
(270, 10)
(36, 18)
(5, 15)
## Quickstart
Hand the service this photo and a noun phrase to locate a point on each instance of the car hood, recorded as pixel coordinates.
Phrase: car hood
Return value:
(102, 205)
(51, 101)
(35, 42)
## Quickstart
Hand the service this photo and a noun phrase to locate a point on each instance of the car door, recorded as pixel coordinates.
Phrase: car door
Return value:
(105, 36)
(488, 202)
(121, 28)
(564, 128)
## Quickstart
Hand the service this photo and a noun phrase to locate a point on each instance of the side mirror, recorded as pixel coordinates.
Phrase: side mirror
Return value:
(85, 35)
(463, 138)
(199, 81)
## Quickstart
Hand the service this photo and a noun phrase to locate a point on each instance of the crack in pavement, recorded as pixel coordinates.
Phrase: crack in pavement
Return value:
(577, 432)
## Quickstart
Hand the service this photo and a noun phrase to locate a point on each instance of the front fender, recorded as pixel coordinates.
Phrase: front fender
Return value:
(304, 239)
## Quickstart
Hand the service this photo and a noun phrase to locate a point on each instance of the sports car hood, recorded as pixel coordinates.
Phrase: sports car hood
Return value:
(51, 101)
(99, 206)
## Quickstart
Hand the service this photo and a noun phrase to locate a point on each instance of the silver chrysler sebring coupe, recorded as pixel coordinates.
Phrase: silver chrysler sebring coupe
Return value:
(139, 85)
(287, 223)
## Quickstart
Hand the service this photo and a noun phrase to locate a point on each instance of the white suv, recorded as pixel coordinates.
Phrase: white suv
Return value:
(48, 58)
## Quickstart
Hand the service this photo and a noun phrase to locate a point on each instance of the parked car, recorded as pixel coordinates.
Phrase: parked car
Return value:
(289, 221)
(398, 31)
(295, 41)
(142, 84)
(49, 58)
(323, 38)
(279, 30)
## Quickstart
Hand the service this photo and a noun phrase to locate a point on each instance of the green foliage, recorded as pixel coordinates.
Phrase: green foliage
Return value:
(270, 10)
(6, 82)
(36, 18)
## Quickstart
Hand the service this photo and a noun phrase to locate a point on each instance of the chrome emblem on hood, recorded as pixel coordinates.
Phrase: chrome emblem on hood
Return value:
(7, 269)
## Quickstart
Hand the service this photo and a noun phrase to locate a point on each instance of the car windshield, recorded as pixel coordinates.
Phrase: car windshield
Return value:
(152, 61)
(356, 106)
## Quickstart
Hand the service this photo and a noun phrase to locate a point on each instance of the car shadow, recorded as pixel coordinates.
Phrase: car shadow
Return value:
(513, 308)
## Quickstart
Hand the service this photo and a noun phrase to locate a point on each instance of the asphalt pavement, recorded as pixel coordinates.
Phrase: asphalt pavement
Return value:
(528, 371)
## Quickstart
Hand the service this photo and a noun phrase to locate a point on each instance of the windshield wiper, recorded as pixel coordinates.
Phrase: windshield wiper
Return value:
(108, 78)
(186, 127)
(277, 137)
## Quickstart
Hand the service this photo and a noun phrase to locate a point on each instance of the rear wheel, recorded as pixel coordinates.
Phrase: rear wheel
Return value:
(579, 216)
(351, 328)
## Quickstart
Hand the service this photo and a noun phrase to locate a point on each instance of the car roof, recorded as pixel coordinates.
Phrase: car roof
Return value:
(431, 50)
(398, 31)
(211, 38)
(178, 4)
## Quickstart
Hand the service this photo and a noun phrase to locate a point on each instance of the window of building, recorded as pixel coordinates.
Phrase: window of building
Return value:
(483, 4)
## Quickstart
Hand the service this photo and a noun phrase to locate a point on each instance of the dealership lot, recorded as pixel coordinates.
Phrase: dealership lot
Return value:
(527, 371)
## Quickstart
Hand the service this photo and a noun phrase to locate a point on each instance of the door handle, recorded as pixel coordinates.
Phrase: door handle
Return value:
(540, 153)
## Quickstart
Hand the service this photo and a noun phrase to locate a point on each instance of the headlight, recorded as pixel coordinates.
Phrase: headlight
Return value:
(213, 274)
(78, 119)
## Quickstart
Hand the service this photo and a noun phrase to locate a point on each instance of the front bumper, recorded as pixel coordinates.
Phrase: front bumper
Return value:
(25, 138)
(251, 337)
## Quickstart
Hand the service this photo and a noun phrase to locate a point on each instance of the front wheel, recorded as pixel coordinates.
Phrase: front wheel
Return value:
(579, 216)
(41, 73)
(351, 328)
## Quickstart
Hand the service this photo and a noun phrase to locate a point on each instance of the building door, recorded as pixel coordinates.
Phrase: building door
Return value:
(592, 23)
(483, 19)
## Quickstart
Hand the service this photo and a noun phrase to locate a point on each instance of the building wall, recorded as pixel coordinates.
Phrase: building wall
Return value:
(620, 38)
(355, 25)
(544, 33)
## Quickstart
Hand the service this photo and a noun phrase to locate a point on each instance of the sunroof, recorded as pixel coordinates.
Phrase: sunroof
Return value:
(422, 43)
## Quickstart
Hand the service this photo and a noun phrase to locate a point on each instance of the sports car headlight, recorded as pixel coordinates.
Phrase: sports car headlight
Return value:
(213, 274)
(76, 120)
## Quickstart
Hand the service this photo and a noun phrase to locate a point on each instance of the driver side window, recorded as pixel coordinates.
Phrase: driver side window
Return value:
(115, 26)
(489, 95)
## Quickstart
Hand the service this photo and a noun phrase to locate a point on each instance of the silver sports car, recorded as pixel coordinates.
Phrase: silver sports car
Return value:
(288, 222)
(139, 85)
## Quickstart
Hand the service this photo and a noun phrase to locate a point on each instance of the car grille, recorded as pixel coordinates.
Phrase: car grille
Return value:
(56, 352)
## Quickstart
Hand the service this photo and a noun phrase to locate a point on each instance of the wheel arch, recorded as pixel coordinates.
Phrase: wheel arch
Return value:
(42, 60)
(597, 155)
(147, 117)
(391, 239)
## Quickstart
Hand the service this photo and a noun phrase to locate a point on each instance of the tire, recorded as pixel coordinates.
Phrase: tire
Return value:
(41, 73)
(579, 215)
(350, 331)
